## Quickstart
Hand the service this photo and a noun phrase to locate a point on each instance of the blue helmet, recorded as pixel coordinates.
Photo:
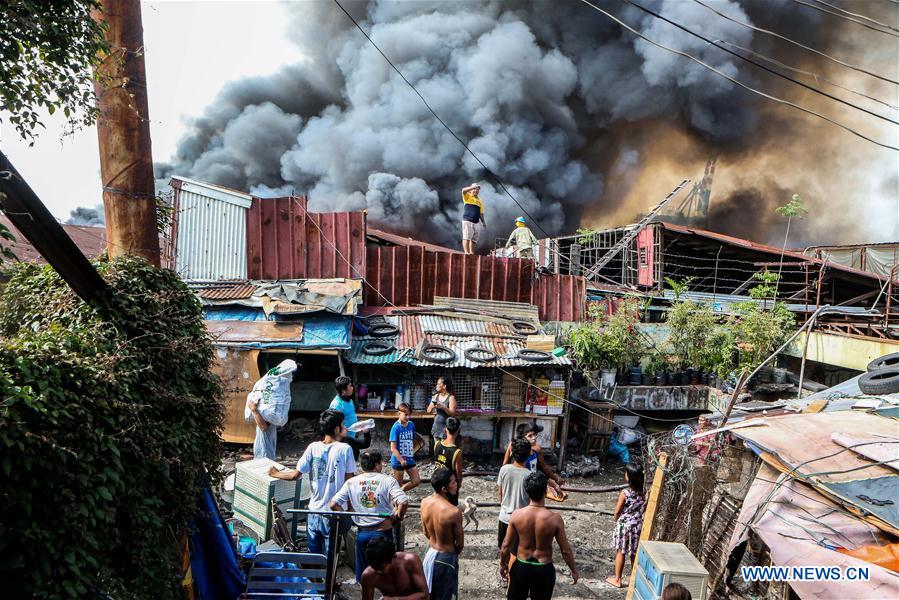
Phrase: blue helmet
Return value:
(520, 220)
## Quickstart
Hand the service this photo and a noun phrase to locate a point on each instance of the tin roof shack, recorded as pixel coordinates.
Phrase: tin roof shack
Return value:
(489, 354)
(257, 324)
(778, 488)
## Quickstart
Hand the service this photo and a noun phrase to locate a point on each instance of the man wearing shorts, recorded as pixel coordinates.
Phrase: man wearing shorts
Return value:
(472, 217)
(533, 528)
(441, 521)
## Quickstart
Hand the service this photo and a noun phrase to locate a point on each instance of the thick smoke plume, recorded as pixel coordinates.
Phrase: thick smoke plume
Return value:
(87, 216)
(584, 123)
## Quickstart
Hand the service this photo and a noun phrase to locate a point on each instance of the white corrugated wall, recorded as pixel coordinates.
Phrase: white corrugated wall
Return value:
(212, 233)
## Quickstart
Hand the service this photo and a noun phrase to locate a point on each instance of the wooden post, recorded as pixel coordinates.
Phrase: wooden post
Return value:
(123, 129)
(652, 506)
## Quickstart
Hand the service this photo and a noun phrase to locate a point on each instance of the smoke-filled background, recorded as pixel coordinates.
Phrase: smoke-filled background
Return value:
(585, 123)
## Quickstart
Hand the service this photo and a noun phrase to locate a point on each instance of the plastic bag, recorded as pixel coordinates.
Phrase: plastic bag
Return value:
(619, 450)
(362, 426)
(628, 436)
(272, 393)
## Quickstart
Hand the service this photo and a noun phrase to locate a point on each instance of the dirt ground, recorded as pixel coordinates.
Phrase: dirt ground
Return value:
(590, 534)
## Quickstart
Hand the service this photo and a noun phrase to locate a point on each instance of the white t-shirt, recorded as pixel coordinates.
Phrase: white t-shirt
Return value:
(327, 466)
(372, 493)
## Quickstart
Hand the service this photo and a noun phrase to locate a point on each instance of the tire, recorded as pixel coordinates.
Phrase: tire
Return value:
(889, 360)
(383, 330)
(534, 355)
(880, 382)
(438, 353)
(378, 348)
(524, 327)
(477, 353)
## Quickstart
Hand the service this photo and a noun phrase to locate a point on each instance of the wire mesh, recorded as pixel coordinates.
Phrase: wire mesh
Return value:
(475, 389)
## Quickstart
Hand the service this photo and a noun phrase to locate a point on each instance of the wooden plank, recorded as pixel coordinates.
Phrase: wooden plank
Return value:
(254, 331)
(239, 371)
(652, 506)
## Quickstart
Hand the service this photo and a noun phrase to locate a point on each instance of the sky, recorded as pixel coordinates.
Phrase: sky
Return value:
(192, 49)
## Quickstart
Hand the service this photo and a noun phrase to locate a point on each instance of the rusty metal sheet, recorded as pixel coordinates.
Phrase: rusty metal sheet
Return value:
(285, 241)
(560, 297)
(226, 291)
(254, 331)
(239, 371)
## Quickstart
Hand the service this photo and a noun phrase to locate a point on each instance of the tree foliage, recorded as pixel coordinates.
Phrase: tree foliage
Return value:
(107, 430)
(48, 50)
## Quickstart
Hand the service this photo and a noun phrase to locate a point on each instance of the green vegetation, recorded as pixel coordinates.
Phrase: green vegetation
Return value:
(609, 341)
(108, 430)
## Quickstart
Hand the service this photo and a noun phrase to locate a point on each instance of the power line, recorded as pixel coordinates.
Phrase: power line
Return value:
(795, 43)
(848, 18)
(809, 73)
(739, 83)
(453, 133)
(860, 16)
(758, 64)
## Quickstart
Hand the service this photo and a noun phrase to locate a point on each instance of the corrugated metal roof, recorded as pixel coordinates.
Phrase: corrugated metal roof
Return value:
(210, 229)
(520, 311)
(499, 338)
(226, 291)
(285, 241)
(90, 240)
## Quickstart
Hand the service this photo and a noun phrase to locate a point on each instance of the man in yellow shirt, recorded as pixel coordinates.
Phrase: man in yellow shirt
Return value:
(472, 217)
(523, 240)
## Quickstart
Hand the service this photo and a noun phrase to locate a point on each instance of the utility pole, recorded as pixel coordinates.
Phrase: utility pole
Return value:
(123, 128)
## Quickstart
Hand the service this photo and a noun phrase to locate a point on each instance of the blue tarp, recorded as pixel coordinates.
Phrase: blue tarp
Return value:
(213, 562)
(319, 331)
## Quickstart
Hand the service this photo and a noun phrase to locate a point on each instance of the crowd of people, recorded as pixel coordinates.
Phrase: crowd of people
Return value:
(345, 474)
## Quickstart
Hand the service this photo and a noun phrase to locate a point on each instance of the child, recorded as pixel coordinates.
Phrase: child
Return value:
(675, 591)
(402, 444)
(535, 461)
(629, 514)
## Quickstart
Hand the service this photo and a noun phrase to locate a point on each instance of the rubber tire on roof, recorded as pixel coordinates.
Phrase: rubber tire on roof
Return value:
(378, 348)
(534, 355)
(472, 354)
(383, 330)
(429, 350)
(880, 382)
(524, 327)
(889, 360)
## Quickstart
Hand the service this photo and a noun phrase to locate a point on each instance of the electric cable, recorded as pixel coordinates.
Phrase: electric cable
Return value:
(860, 16)
(758, 64)
(816, 76)
(794, 42)
(489, 173)
(737, 82)
(852, 19)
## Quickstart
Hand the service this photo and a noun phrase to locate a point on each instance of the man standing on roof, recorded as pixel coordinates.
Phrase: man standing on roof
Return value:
(472, 217)
(523, 240)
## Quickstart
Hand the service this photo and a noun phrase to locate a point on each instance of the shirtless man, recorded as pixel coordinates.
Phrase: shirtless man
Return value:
(441, 520)
(397, 575)
(533, 528)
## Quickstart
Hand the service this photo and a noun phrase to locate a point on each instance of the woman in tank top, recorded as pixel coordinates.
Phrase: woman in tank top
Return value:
(443, 405)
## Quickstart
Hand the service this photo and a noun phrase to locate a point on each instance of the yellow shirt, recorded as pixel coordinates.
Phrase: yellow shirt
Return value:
(472, 209)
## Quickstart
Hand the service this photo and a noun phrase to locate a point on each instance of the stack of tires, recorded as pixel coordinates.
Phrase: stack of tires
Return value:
(882, 376)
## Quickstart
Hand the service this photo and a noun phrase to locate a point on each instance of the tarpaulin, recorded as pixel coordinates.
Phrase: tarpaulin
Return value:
(321, 331)
(213, 561)
(804, 528)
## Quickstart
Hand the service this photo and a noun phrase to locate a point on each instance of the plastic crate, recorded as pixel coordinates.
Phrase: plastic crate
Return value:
(253, 493)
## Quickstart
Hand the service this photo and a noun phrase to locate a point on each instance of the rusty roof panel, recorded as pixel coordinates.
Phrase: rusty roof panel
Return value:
(237, 290)
(285, 241)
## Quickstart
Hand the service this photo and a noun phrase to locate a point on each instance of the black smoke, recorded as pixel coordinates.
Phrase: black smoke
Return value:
(543, 92)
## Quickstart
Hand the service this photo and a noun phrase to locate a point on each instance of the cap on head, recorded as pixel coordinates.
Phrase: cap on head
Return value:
(475, 184)
(520, 220)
